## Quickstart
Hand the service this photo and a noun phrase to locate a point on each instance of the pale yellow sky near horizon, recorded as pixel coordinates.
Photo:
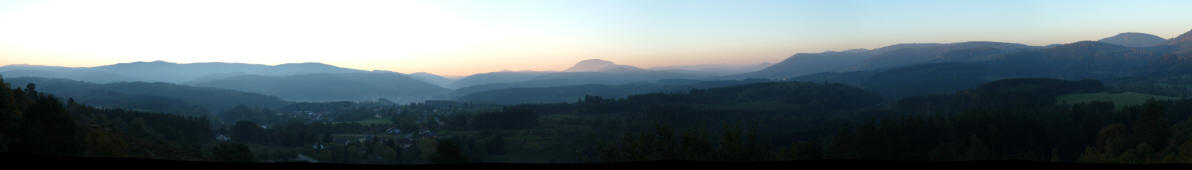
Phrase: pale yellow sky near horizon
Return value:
(462, 37)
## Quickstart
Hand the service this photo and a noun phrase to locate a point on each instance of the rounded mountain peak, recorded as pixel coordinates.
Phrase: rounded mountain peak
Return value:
(598, 65)
(1134, 39)
(596, 62)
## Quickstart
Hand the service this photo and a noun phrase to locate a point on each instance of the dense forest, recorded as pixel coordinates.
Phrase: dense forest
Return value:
(39, 123)
(1021, 119)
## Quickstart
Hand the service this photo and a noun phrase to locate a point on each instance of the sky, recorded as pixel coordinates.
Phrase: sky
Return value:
(461, 37)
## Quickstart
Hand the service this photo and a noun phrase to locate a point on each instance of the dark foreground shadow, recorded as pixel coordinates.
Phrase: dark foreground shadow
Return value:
(44, 162)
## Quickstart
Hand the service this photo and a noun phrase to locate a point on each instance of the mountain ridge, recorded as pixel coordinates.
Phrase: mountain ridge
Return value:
(163, 71)
(599, 65)
(891, 56)
(356, 86)
(1186, 37)
(1134, 39)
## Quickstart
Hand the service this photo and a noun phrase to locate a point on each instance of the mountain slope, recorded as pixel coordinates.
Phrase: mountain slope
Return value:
(571, 93)
(80, 75)
(713, 69)
(432, 78)
(905, 56)
(161, 97)
(578, 78)
(1133, 39)
(14, 67)
(1183, 38)
(161, 71)
(598, 65)
(810, 63)
(882, 58)
(332, 86)
(495, 77)
(593, 71)
(1182, 43)
(1081, 60)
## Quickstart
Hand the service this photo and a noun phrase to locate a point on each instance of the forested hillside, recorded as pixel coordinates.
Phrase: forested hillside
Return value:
(37, 123)
(155, 97)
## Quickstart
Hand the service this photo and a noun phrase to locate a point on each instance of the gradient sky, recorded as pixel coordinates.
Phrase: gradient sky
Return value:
(465, 37)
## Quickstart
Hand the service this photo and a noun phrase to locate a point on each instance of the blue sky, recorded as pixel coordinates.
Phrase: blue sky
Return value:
(459, 37)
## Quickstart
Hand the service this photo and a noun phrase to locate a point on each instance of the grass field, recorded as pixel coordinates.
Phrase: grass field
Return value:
(1119, 99)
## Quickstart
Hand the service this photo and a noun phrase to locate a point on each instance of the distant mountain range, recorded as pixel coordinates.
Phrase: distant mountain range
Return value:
(593, 71)
(895, 71)
(713, 69)
(294, 81)
(900, 55)
(158, 97)
(886, 57)
(1185, 38)
(316, 82)
(1074, 61)
(598, 65)
(571, 93)
(495, 77)
(438, 80)
(332, 86)
(161, 71)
